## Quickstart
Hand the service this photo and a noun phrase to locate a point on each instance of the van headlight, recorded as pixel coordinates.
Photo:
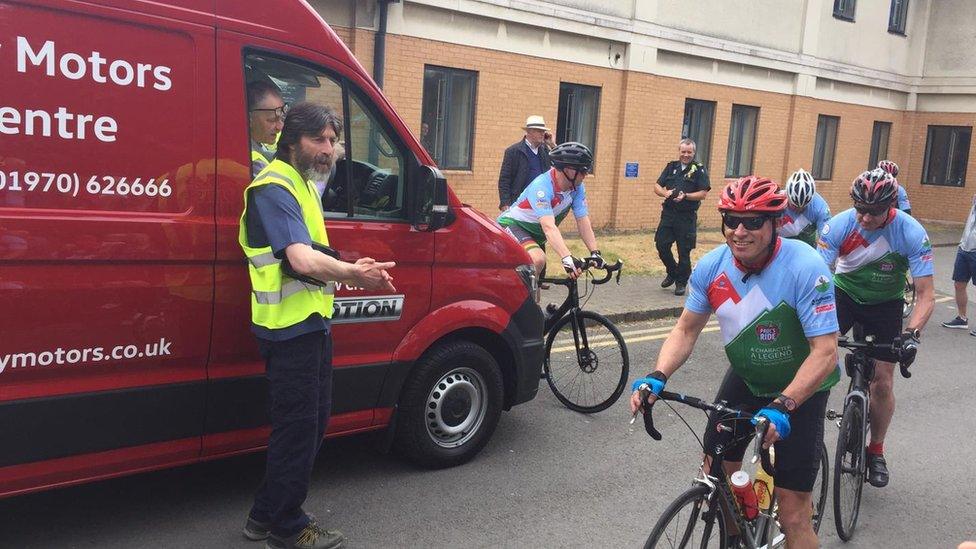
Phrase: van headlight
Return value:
(527, 274)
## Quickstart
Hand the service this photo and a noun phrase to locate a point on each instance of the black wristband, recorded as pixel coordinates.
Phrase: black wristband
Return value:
(657, 374)
(779, 406)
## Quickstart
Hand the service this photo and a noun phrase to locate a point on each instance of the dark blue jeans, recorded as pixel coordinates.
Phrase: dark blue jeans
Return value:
(299, 372)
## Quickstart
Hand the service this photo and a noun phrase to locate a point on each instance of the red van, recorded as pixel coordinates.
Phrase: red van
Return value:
(124, 312)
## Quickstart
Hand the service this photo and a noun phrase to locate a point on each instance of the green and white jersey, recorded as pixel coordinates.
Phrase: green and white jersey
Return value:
(805, 225)
(767, 318)
(870, 266)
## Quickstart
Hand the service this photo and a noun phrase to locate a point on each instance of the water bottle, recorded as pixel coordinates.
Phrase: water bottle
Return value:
(745, 494)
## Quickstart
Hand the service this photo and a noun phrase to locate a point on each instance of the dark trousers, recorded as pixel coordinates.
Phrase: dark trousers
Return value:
(299, 372)
(676, 228)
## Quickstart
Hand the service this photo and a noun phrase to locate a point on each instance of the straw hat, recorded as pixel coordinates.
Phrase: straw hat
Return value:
(535, 122)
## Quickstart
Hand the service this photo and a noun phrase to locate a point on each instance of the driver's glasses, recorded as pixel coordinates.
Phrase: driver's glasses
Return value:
(750, 223)
(873, 211)
(279, 112)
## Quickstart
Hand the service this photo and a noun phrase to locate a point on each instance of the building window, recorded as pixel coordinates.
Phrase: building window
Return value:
(742, 140)
(897, 16)
(448, 112)
(946, 155)
(579, 110)
(879, 143)
(697, 126)
(844, 9)
(824, 146)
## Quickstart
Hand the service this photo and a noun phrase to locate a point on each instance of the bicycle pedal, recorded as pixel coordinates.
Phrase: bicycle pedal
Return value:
(551, 309)
(832, 415)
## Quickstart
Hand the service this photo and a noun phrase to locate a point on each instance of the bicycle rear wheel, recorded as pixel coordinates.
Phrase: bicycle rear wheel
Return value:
(820, 488)
(690, 521)
(909, 298)
(586, 362)
(849, 468)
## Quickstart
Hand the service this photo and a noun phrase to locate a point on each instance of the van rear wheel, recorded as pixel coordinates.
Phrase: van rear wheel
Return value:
(450, 405)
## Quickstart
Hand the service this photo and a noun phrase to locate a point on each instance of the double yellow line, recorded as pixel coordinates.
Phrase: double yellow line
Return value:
(631, 336)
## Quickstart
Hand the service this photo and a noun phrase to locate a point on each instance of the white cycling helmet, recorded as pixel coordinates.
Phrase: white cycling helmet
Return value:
(800, 188)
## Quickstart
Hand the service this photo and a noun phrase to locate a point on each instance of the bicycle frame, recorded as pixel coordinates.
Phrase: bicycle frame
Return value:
(572, 303)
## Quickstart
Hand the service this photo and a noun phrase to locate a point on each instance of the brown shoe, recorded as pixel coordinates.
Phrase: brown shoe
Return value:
(311, 537)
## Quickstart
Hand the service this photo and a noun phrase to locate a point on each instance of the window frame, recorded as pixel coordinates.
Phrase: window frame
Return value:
(926, 168)
(450, 73)
(845, 10)
(411, 164)
(898, 17)
(562, 127)
(874, 154)
(816, 170)
(713, 106)
(755, 137)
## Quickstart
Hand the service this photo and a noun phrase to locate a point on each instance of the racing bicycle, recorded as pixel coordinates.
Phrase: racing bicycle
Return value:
(586, 362)
(850, 459)
(909, 297)
(700, 517)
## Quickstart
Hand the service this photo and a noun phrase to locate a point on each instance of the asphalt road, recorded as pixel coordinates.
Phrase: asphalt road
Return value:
(548, 478)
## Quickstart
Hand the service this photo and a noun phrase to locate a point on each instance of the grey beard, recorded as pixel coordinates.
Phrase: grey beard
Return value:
(317, 177)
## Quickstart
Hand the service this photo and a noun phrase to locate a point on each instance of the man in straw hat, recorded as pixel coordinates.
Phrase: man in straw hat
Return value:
(524, 160)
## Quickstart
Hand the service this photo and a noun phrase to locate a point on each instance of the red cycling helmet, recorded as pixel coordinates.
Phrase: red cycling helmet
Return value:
(889, 166)
(874, 187)
(752, 193)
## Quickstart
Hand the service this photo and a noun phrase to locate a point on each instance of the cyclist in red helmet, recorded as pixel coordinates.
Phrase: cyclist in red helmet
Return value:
(892, 168)
(774, 301)
(871, 247)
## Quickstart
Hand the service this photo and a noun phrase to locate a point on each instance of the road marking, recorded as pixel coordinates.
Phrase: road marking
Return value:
(943, 299)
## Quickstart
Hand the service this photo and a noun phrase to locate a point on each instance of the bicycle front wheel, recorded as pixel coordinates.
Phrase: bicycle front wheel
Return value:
(690, 521)
(586, 362)
(849, 468)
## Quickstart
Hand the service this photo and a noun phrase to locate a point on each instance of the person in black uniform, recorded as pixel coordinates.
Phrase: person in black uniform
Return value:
(683, 184)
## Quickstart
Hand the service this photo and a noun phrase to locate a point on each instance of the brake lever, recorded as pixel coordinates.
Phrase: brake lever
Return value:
(644, 391)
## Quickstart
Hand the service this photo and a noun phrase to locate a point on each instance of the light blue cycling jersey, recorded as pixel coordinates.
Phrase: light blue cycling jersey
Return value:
(543, 197)
(871, 265)
(767, 317)
(805, 225)
(903, 203)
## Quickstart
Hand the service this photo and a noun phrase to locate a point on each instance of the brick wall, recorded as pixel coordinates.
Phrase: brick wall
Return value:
(640, 120)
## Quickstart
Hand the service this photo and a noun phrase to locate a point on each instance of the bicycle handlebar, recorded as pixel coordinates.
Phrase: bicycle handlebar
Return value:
(761, 426)
(586, 263)
(905, 351)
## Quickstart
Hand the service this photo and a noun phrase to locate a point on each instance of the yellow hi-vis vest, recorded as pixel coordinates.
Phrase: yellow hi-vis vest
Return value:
(277, 300)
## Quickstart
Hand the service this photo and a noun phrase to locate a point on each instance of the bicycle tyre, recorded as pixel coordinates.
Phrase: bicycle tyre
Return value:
(849, 468)
(700, 512)
(820, 491)
(575, 380)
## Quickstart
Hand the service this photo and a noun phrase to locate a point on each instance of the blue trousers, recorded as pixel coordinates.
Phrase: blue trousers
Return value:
(299, 372)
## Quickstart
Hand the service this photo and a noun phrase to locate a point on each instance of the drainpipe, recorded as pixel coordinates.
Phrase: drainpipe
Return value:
(379, 44)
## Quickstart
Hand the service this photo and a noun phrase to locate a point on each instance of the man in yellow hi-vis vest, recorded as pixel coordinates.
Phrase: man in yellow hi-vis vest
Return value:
(282, 220)
(265, 114)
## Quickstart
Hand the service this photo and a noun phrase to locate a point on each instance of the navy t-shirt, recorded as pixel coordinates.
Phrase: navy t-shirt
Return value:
(278, 223)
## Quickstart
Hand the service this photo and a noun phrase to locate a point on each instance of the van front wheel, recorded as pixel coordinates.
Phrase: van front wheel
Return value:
(449, 406)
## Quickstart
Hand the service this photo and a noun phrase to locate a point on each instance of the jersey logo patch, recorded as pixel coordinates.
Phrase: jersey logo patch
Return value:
(541, 194)
(822, 284)
(767, 333)
(886, 266)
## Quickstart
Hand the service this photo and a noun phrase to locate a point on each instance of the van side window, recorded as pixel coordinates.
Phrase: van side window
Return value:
(367, 174)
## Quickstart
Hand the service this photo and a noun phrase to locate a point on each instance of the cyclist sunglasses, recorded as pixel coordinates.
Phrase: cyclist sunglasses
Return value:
(873, 211)
(750, 223)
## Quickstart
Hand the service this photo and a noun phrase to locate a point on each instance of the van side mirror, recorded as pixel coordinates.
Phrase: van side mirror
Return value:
(431, 210)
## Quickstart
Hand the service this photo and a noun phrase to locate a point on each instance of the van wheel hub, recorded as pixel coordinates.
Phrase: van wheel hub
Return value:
(455, 407)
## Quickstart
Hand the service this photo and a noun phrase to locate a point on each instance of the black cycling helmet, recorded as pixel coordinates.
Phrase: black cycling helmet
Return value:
(571, 155)
(874, 187)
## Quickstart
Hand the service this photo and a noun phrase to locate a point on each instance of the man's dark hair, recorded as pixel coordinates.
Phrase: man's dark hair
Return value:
(258, 90)
(305, 119)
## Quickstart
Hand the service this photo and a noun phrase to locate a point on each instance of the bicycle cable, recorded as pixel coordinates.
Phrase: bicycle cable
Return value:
(692, 430)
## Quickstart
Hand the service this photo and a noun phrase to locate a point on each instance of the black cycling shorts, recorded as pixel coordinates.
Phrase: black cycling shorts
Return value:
(882, 320)
(797, 457)
(525, 238)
